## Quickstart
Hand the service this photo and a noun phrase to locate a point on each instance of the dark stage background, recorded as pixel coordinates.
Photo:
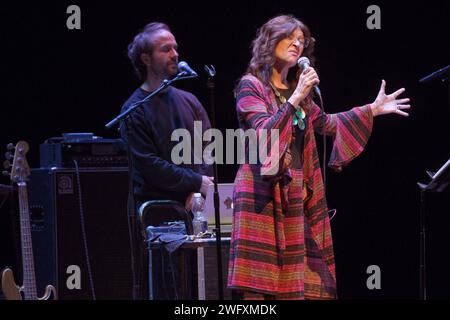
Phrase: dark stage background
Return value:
(56, 80)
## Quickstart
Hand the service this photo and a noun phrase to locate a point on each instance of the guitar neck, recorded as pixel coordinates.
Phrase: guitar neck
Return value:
(29, 278)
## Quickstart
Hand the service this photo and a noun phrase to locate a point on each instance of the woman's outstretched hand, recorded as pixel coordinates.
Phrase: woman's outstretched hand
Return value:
(385, 104)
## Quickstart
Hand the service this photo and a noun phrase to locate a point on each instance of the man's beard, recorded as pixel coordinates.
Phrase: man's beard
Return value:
(169, 71)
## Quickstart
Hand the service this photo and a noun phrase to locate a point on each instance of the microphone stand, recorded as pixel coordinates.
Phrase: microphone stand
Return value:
(439, 182)
(441, 73)
(210, 85)
(133, 236)
(162, 86)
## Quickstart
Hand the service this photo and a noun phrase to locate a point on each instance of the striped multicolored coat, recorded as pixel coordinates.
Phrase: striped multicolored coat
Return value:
(281, 241)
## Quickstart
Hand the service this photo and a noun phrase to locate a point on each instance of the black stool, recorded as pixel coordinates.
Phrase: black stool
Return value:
(164, 270)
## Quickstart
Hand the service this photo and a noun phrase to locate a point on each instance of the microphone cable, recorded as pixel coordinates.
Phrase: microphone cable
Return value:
(83, 231)
(324, 142)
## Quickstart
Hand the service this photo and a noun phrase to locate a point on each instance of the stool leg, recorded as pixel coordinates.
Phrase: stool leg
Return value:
(150, 276)
(201, 273)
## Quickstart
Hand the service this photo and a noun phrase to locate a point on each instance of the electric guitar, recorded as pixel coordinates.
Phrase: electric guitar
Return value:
(20, 171)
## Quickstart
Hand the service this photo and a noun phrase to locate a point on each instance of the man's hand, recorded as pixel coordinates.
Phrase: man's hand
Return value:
(206, 182)
(188, 203)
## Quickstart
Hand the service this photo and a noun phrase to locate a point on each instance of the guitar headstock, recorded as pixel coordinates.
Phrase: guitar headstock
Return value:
(20, 170)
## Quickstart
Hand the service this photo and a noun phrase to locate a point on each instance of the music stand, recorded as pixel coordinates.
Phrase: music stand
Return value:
(439, 181)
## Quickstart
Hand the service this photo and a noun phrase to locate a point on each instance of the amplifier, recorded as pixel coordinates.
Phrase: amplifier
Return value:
(85, 148)
(79, 220)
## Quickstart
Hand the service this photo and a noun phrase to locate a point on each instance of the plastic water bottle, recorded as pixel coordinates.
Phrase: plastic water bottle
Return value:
(199, 223)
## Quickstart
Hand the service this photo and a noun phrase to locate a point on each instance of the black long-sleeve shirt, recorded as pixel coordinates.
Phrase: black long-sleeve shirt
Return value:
(148, 132)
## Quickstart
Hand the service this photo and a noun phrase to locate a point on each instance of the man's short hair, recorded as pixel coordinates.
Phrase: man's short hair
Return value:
(143, 43)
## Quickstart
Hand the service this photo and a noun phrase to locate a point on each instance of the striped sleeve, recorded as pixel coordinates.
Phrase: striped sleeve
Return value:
(351, 131)
(253, 109)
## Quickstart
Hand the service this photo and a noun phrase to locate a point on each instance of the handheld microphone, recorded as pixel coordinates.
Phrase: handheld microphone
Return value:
(304, 63)
(184, 67)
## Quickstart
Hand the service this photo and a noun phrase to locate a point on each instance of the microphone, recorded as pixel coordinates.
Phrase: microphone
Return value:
(184, 68)
(303, 63)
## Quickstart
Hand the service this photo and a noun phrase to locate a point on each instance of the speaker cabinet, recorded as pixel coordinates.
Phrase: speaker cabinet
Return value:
(80, 232)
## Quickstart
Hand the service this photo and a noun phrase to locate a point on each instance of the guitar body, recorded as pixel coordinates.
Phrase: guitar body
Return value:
(13, 292)
(9, 287)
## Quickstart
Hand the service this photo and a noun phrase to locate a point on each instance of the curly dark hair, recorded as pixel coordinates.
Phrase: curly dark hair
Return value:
(143, 43)
(263, 47)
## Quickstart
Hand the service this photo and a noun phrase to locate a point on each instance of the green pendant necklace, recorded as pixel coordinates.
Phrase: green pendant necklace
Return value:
(300, 114)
